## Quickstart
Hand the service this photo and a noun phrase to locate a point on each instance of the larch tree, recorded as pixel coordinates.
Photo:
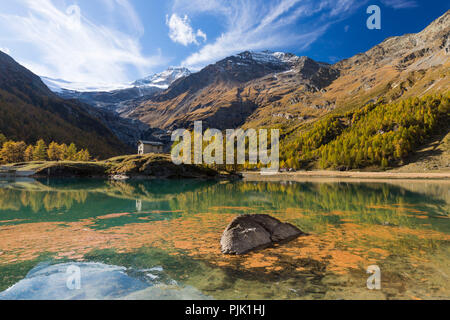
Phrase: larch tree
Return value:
(28, 154)
(71, 152)
(13, 152)
(40, 151)
(2, 139)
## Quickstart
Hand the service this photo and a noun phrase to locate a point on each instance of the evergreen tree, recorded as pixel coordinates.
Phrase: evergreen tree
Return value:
(71, 152)
(13, 152)
(63, 150)
(86, 155)
(83, 155)
(2, 139)
(28, 154)
(40, 151)
(53, 152)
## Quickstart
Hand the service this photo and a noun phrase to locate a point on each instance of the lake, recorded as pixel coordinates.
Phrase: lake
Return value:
(161, 239)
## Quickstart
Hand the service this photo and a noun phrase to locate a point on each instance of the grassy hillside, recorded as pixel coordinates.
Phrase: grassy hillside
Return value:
(376, 135)
(134, 166)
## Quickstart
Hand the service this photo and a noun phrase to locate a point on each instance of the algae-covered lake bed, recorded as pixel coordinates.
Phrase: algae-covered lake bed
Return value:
(160, 239)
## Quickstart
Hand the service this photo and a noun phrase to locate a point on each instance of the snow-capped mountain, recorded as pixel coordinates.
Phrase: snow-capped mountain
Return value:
(112, 100)
(228, 91)
(160, 80)
(116, 97)
(269, 57)
(164, 79)
(60, 85)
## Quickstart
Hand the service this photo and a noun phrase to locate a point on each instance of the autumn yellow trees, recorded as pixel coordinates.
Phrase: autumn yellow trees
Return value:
(56, 152)
(14, 152)
(376, 135)
(40, 151)
(2, 139)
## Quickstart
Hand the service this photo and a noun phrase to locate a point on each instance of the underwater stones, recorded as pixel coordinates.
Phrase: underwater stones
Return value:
(251, 232)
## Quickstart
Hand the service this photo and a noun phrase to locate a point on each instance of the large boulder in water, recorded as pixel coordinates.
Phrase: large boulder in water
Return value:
(251, 232)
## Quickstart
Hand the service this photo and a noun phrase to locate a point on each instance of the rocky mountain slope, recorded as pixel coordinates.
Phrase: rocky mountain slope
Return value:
(129, 131)
(30, 111)
(413, 65)
(117, 99)
(164, 79)
(110, 104)
(261, 89)
(225, 94)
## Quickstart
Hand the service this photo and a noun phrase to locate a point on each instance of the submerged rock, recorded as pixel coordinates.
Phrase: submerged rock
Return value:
(98, 282)
(251, 232)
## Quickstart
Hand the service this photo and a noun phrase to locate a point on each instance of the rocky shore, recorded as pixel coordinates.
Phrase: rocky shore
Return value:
(149, 166)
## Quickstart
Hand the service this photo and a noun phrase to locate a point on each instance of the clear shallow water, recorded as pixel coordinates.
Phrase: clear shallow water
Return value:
(160, 239)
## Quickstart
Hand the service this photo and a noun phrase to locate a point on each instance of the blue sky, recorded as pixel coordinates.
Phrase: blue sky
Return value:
(118, 41)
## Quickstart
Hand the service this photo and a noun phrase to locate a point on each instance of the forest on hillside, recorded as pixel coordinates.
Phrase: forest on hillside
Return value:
(378, 134)
(27, 116)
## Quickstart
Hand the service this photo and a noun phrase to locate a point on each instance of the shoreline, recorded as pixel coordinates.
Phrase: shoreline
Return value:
(123, 168)
(348, 175)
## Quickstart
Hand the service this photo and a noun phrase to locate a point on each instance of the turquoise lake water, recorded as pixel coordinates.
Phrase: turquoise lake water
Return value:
(161, 239)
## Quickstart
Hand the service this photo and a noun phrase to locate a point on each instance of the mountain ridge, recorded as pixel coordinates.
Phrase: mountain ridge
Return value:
(273, 89)
(108, 105)
(115, 98)
(163, 79)
(241, 91)
(225, 79)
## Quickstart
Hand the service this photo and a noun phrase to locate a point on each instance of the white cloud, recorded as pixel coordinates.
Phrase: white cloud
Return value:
(257, 25)
(400, 4)
(70, 46)
(180, 30)
(202, 35)
(127, 14)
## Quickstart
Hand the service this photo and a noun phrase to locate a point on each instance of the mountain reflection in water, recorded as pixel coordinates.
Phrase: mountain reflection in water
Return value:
(401, 226)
